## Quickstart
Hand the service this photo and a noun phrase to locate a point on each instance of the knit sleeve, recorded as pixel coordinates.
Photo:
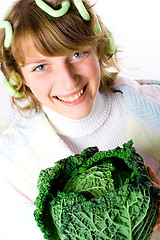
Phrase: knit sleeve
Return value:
(142, 103)
(16, 215)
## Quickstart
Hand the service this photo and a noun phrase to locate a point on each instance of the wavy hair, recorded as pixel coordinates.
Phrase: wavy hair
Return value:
(53, 37)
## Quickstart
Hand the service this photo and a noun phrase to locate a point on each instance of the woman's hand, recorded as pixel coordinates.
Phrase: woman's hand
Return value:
(156, 183)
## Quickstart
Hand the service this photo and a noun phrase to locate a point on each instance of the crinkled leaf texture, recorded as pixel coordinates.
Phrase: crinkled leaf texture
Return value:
(97, 195)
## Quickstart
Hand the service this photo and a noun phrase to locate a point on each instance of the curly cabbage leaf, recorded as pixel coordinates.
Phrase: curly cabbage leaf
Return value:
(97, 195)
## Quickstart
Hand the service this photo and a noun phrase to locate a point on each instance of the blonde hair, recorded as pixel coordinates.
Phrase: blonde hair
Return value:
(52, 37)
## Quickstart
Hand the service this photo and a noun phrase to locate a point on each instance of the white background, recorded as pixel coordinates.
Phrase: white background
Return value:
(135, 27)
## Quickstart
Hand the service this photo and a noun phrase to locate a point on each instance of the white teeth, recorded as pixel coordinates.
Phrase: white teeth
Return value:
(72, 98)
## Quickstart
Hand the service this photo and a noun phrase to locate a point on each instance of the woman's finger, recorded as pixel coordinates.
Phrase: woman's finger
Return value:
(152, 175)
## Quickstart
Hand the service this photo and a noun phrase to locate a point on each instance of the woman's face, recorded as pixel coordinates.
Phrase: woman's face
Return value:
(66, 84)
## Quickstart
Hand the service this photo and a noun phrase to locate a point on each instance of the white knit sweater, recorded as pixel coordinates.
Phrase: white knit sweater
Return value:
(104, 127)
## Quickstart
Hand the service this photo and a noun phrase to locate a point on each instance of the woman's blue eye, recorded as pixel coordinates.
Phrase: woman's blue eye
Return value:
(78, 54)
(41, 67)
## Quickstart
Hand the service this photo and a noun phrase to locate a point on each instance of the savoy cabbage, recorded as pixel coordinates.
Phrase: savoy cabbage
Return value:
(97, 195)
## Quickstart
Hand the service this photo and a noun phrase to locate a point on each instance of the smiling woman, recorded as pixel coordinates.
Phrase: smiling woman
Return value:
(63, 37)
(63, 76)
(70, 92)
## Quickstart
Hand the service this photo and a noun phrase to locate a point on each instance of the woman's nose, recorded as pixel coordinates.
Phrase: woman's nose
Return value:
(68, 76)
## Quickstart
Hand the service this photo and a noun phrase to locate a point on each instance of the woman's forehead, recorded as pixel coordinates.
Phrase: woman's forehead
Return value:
(29, 50)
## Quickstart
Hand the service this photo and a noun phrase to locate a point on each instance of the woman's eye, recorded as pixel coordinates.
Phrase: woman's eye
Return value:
(79, 55)
(41, 67)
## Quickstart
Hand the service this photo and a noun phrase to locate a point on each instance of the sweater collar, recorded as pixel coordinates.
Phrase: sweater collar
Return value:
(82, 127)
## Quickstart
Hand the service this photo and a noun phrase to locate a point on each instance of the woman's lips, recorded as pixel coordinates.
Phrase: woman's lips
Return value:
(73, 99)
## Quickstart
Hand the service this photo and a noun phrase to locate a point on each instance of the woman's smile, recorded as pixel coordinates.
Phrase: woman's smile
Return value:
(74, 98)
